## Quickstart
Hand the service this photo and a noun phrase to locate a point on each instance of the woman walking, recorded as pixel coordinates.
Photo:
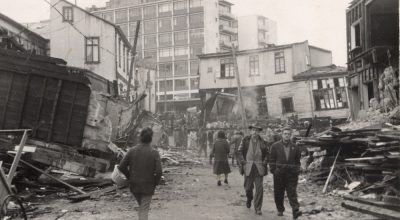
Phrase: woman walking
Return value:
(220, 153)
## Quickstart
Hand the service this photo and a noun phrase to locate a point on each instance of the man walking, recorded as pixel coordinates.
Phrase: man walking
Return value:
(253, 155)
(285, 165)
(142, 167)
(235, 141)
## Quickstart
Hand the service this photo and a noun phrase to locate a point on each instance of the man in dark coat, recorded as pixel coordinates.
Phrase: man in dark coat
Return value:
(235, 141)
(142, 167)
(285, 165)
(253, 156)
(220, 152)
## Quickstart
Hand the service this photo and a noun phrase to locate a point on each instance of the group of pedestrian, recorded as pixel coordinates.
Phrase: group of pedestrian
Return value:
(142, 167)
(254, 155)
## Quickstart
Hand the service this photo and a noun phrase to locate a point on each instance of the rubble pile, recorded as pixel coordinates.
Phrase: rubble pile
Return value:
(367, 170)
(177, 158)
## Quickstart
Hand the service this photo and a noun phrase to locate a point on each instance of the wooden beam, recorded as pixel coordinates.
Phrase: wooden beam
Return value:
(5, 188)
(3, 117)
(40, 106)
(28, 80)
(52, 177)
(371, 210)
(330, 173)
(71, 110)
(17, 157)
(54, 109)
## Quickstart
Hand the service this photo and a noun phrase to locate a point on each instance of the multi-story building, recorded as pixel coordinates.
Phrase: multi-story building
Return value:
(90, 42)
(269, 78)
(255, 31)
(15, 35)
(172, 34)
(372, 46)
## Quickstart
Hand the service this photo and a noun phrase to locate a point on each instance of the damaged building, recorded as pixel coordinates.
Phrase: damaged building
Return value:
(265, 75)
(15, 36)
(373, 53)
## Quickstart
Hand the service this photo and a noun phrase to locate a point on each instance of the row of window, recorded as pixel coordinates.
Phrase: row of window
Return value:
(227, 66)
(180, 68)
(164, 25)
(178, 52)
(149, 12)
(176, 38)
(182, 96)
(178, 85)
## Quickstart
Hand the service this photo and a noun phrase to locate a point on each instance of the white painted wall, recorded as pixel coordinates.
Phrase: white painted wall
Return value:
(208, 80)
(320, 57)
(67, 43)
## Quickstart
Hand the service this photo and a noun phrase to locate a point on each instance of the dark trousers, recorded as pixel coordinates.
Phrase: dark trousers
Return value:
(251, 181)
(286, 182)
(234, 156)
(144, 205)
(203, 148)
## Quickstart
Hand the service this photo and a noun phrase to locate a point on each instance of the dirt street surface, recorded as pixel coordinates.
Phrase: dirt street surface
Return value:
(191, 193)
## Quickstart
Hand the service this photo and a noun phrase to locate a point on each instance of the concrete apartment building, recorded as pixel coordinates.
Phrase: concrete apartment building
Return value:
(372, 46)
(255, 31)
(266, 76)
(14, 35)
(90, 42)
(172, 34)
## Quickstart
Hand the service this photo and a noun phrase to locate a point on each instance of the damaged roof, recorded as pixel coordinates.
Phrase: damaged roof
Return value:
(323, 71)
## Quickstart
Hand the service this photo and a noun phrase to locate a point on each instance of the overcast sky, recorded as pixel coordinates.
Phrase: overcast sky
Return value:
(321, 22)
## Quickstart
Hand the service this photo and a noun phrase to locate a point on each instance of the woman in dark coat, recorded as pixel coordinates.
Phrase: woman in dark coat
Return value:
(220, 153)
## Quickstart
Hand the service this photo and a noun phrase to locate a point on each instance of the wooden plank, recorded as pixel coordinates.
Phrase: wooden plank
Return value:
(71, 110)
(94, 194)
(395, 207)
(39, 112)
(5, 188)
(26, 89)
(52, 177)
(17, 158)
(371, 210)
(70, 161)
(54, 109)
(3, 117)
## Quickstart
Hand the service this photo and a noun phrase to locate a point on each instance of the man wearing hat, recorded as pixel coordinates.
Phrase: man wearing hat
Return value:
(253, 156)
(285, 165)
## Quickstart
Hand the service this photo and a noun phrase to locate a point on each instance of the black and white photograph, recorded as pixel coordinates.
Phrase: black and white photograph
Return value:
(199, 109)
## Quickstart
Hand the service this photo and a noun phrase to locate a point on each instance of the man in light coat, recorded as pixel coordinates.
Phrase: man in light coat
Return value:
(253, 156)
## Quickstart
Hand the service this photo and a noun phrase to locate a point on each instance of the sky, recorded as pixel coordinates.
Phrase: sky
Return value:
(321, 22)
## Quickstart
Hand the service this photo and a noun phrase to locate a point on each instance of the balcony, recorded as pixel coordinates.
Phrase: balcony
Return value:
(228, 44)
(228, 30)
(228, 15)
(225, 43)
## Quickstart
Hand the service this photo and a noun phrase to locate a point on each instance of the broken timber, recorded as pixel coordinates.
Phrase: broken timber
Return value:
(70, 161)
(52, 177)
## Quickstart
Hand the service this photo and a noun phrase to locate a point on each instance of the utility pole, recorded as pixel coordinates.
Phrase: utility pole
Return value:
(165, 92)
(243, 111)
(133, 54)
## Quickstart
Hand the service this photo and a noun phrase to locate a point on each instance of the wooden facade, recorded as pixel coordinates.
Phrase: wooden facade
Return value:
(41, 94)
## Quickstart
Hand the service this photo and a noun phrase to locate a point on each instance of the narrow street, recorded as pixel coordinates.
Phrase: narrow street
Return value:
(192, 193)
